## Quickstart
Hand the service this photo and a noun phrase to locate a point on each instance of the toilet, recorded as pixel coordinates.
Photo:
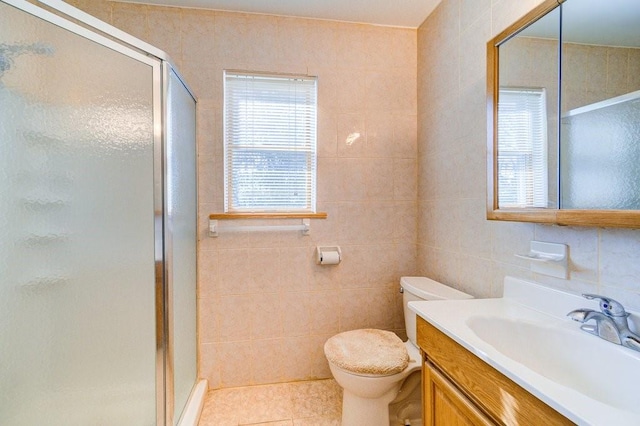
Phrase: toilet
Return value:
(374, 367)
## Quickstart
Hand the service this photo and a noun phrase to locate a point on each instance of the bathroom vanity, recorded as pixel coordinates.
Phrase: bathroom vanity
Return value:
(519, 360)
(459, 388)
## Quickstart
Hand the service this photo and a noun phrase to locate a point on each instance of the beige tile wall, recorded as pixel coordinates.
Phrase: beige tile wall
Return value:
(595, 73)
(265, 307)
(456, 244)
(590, 73)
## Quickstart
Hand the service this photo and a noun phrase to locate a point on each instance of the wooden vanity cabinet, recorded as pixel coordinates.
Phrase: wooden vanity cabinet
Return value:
(461, 389)
(445, 404)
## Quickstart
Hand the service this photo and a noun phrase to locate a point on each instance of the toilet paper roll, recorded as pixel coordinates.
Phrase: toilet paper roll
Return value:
(329, 258)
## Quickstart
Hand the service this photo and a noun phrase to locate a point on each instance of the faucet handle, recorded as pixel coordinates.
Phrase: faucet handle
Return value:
(608, 306)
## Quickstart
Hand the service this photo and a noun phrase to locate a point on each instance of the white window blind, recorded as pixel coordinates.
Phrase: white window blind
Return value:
(522, 148)
(270, 143)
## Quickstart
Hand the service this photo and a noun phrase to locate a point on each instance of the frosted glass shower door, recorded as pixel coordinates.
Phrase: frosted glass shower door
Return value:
(78, 242)
(181, 212)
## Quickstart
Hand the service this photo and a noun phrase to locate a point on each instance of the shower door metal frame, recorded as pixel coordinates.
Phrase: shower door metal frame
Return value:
(167, 314)
(136, 49)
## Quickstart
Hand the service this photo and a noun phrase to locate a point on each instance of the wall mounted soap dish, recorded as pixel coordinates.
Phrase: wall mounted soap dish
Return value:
(548, 259)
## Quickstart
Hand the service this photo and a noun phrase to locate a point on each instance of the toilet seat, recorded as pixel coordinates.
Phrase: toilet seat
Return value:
(367, 352)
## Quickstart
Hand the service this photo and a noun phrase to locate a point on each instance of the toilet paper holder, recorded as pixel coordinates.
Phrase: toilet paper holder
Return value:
(328, 255)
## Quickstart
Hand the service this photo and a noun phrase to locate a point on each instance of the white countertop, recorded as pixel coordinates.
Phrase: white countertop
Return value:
(581, 399)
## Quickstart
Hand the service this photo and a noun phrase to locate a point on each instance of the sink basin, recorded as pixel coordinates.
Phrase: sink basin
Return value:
(597, 369)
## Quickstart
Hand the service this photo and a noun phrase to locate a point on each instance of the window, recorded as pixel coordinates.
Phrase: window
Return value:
(522, 153)
(270, 143)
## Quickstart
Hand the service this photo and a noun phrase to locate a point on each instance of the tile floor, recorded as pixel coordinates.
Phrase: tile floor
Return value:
(312, 403)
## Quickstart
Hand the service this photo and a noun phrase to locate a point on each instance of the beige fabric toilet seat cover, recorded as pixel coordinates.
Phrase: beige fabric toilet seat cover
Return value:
(367, 352)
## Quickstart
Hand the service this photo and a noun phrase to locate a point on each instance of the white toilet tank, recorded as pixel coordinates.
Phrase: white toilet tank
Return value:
(422, 288)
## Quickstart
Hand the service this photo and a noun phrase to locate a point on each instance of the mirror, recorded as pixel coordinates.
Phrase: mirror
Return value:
(527, 116)
(566, 150)
(600, 124)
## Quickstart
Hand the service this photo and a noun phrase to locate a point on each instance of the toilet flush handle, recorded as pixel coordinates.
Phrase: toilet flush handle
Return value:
(401, 289)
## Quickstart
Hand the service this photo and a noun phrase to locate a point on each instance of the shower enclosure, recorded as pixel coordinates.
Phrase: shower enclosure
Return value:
(97, 224)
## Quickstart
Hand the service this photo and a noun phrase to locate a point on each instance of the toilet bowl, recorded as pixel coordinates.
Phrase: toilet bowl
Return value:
(366, 398)
(371, 365)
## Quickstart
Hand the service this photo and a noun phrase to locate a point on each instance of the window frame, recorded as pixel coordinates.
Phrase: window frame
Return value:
(531, 157)
(308, 148)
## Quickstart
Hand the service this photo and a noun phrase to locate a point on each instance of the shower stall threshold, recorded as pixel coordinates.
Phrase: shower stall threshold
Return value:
(191, 413)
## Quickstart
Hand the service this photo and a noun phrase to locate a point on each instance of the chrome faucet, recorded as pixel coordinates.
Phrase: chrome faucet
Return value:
(611, 322)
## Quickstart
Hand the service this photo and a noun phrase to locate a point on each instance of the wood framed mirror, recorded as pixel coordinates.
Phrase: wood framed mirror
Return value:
(563, 107)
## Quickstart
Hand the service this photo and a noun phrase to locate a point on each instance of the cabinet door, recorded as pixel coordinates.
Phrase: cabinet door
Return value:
(445, 405)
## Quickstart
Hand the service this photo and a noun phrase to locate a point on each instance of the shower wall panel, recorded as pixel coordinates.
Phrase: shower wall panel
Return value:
(181, 211)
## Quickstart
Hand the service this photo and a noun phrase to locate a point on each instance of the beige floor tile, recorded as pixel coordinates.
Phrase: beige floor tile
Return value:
(316, 398)
(247, 405)
(317, 402)
(319, 421)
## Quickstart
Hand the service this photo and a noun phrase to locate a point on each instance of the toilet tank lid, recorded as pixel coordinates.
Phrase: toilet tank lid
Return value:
(428, 289)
